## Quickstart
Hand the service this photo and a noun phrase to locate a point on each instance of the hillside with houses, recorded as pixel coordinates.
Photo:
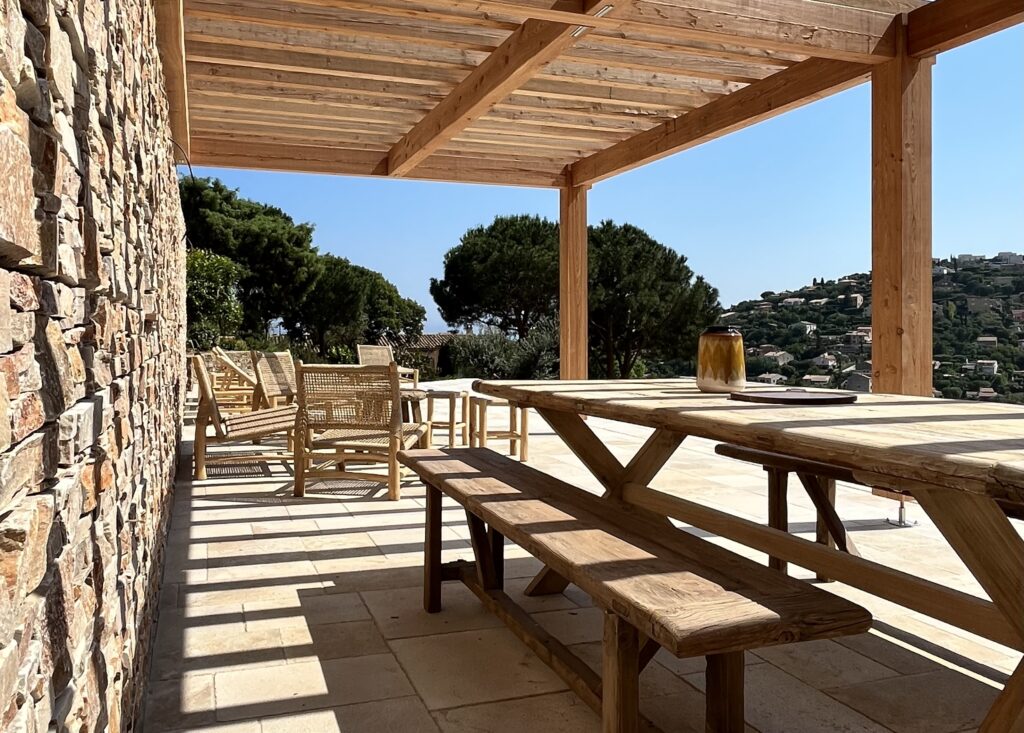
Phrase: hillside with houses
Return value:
(820, 335)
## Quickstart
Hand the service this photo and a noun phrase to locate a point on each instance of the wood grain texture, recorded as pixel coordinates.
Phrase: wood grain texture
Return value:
(901, 224)
(781, 92)
(689, 595)
(945, 24)
(967, 446)
(620, 689)
(170, 41)
(573, 307)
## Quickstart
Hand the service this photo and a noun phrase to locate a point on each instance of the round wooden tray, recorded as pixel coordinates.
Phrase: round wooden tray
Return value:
(797, 397)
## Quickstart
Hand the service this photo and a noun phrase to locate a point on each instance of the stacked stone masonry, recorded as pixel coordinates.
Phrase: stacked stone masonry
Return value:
(91, 358)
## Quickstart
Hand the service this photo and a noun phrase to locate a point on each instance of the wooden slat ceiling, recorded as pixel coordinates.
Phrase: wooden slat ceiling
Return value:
(415, 88)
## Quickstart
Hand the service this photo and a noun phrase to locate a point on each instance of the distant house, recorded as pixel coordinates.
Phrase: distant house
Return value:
(764, 305)
(851, 300)
(765, 349)
(826, 361)
(987, 393)
(427, 344)
(792, 302)
(988, 367)
(969, 259)
(770, 378)
(817, 302)
(988, 342)
(858, 336)
(1010, 258)
(940, 270)
(807, 326)
(780, 357)
(816, 380)
(858, 382)
(1018, 314)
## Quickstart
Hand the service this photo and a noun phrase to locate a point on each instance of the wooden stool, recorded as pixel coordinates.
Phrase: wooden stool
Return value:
(517, 433)
(458, 417)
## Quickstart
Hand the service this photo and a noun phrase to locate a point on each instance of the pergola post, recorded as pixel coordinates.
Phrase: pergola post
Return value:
(901, 223)
(572, 283)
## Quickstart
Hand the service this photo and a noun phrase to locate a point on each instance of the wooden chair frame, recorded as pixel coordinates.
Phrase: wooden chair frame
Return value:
(234, 428)
(382, 355)
(320, 455)
(234, 387)
(518, 433)
(275, 378)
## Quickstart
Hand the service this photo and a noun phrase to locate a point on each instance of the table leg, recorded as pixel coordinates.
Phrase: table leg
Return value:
(778, 510)
(978, 530)
(584, 443)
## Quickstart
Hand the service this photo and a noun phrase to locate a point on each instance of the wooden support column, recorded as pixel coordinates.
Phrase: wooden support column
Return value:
(901, 226)
(573, 312)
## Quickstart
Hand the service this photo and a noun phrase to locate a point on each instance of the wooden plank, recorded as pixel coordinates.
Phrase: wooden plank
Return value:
(791, 26)
(573, 308)
(822, 492)
(486, 573)
(944, 24)
(781, 92)
(724, 702)
(524, 52)
(620, 691)
(778, 510)
(586, 446)
(901, 225)
(637, 566)
(339, 161)
(1007, 713)
(432, 553)
(959, 609)
(170, 41)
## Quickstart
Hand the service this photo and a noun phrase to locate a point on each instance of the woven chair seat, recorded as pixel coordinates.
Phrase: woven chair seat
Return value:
(368, 438)
(260, 422)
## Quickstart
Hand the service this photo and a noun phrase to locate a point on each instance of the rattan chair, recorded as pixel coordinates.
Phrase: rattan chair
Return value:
(350, 415)
(233, 385)
(275, 378)
(233, 428)
(374, 355)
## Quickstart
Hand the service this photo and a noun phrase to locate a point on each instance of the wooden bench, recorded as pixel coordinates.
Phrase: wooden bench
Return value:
(658, 586)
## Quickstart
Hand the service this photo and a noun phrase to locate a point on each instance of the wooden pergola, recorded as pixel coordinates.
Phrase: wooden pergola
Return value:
(566, 93)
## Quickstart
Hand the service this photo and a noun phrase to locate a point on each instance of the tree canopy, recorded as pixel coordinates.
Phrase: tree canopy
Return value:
(645, 301)
(503, 275)
(258, 253)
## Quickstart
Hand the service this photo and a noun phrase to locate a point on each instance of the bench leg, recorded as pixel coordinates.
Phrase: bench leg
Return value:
(496, 540)
(483, 552)
(432, 553)
(620, 679)
(724, 701)
(778, 510)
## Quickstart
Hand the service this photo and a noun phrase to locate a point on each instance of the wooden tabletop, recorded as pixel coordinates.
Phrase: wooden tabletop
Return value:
(972, 446)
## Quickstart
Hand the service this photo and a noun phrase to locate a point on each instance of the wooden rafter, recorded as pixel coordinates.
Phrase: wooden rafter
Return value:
(794, 87)
(945, 24)
(510, 66)
(170, 37)
(851, 32)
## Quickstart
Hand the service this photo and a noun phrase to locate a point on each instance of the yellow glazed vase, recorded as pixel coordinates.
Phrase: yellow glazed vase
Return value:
(720, 362)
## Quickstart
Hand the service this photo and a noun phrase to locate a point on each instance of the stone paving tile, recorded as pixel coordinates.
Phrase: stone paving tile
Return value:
(399, 715)
(399, 613)
(943, 701)
(823, 663)
(282, 613)
(332, 641)
(777, 702)
(466, 667)
(561, 712)
(288, 688)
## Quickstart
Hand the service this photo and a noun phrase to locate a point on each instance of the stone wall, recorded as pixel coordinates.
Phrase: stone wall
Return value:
(91, 358)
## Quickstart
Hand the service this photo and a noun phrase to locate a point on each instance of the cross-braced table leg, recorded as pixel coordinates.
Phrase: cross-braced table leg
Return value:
(581, 440)
(977, 528)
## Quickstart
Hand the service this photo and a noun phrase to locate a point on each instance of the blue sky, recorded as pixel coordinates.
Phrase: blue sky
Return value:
(766, 208)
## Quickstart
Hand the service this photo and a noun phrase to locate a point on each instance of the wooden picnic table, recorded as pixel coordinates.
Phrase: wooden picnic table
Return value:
(957, 459)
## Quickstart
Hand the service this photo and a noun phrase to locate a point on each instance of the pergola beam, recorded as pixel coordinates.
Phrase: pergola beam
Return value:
(901, 225)
(796, 86)
(806, 27)
(945, 24)
(573, 298)
(531, 46)
(170, 39)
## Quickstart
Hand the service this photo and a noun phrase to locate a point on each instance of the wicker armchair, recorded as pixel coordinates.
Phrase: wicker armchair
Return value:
(350, 414)
(371, 355)
(275, 378)
(233, 428)
(232, 384)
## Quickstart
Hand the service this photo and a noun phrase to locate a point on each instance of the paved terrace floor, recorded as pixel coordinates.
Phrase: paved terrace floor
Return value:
(281, 614)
